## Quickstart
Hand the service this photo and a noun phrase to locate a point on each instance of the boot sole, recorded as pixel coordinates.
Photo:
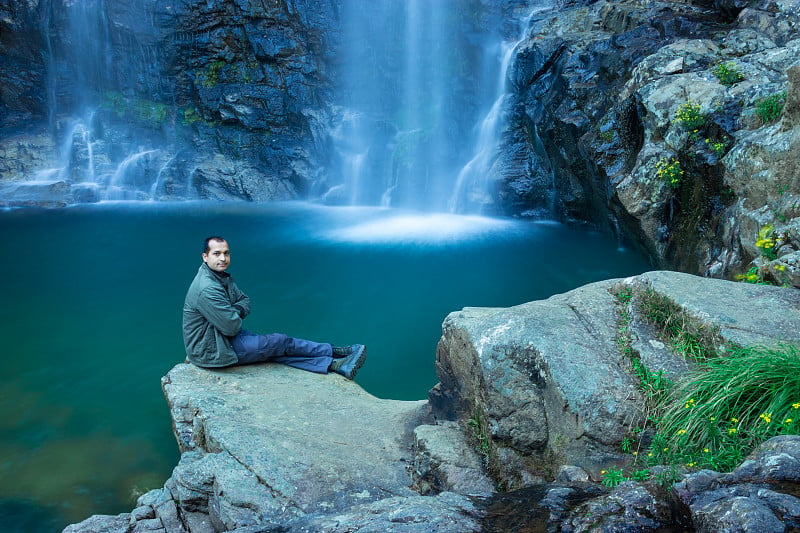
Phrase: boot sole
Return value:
(358, 364)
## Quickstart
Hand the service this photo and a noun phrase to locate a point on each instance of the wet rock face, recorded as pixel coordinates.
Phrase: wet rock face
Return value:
(565, 78)
(22, 70)
(194, 80)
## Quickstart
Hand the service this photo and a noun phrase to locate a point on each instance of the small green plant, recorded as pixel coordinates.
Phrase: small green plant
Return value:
(690, 117)
(667, 476)
(769, 108)
(606, 136)
(728, 73)
(669, 171)
(144, 111)
(480, 435)
(613, 477)
(190, 116)
(627, 445)
(150, 112)
(767, 241)
(718, 147)
(212, 73)
(115, 102)
(756, 276)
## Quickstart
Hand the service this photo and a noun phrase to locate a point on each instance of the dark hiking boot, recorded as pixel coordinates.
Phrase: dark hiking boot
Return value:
(349, 365)
(344, 351)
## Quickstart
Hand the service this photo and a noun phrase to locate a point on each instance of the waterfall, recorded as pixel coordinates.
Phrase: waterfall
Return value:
(472, 188)
(131, 176)
(102, 154)
(472, 182)
(423, 89)
(411, 74)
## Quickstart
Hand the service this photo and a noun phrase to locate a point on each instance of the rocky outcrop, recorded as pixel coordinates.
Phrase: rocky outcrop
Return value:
(533, 400)
(600, 90)
(547, 379)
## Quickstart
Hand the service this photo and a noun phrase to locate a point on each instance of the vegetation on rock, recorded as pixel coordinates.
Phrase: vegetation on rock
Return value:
(713, 416)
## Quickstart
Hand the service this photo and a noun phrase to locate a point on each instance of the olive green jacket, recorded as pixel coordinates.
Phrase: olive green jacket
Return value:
(212, 313)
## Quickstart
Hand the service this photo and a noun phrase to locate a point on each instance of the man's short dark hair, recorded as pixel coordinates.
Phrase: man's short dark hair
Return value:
(215, 238)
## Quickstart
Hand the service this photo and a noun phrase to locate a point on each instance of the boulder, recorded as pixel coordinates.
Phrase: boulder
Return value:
(224, 179)
(759, 495)
(547, 383)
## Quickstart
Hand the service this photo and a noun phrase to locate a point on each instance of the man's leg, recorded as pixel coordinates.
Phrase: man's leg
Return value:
(299, 353)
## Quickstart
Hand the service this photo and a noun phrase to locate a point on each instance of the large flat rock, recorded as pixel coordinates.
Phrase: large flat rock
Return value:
(265, 443)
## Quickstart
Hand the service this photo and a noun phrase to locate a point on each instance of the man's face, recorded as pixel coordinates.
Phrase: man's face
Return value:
(218, 257)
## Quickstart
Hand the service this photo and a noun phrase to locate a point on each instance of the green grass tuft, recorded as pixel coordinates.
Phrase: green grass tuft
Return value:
(721, 412)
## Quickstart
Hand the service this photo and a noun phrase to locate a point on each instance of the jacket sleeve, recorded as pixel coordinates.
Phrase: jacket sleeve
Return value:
(216, 307)
(240, 301)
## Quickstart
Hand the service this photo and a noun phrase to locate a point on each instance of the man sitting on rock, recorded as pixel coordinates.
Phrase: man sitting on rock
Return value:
(212, 326)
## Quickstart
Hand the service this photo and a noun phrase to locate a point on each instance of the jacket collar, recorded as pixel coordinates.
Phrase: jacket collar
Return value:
(220, 275)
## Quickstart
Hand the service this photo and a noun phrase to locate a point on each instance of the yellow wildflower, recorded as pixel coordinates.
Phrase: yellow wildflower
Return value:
(796, 405)
(766, 417)
(732, 431)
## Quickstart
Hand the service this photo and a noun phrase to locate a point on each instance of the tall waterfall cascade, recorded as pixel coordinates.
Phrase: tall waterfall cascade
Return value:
(423, 99)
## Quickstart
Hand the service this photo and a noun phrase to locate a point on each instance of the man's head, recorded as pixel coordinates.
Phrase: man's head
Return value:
(216, 254)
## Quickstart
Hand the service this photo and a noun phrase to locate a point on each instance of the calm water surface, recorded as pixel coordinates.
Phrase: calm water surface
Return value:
(91, 320)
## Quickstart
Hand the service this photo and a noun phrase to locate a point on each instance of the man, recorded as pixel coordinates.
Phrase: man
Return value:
(212, 326)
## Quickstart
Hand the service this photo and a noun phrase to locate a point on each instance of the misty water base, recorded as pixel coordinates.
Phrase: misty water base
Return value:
(92, 313)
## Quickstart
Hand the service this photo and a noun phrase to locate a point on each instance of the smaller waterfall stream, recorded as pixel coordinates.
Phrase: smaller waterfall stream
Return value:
(100, 154)
(472, 182)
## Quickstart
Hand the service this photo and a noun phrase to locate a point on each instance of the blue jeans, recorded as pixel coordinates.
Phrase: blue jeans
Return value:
(307, 355)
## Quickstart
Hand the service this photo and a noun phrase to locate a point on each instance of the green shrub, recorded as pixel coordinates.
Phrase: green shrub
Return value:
(728, 73)
(769, 108)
